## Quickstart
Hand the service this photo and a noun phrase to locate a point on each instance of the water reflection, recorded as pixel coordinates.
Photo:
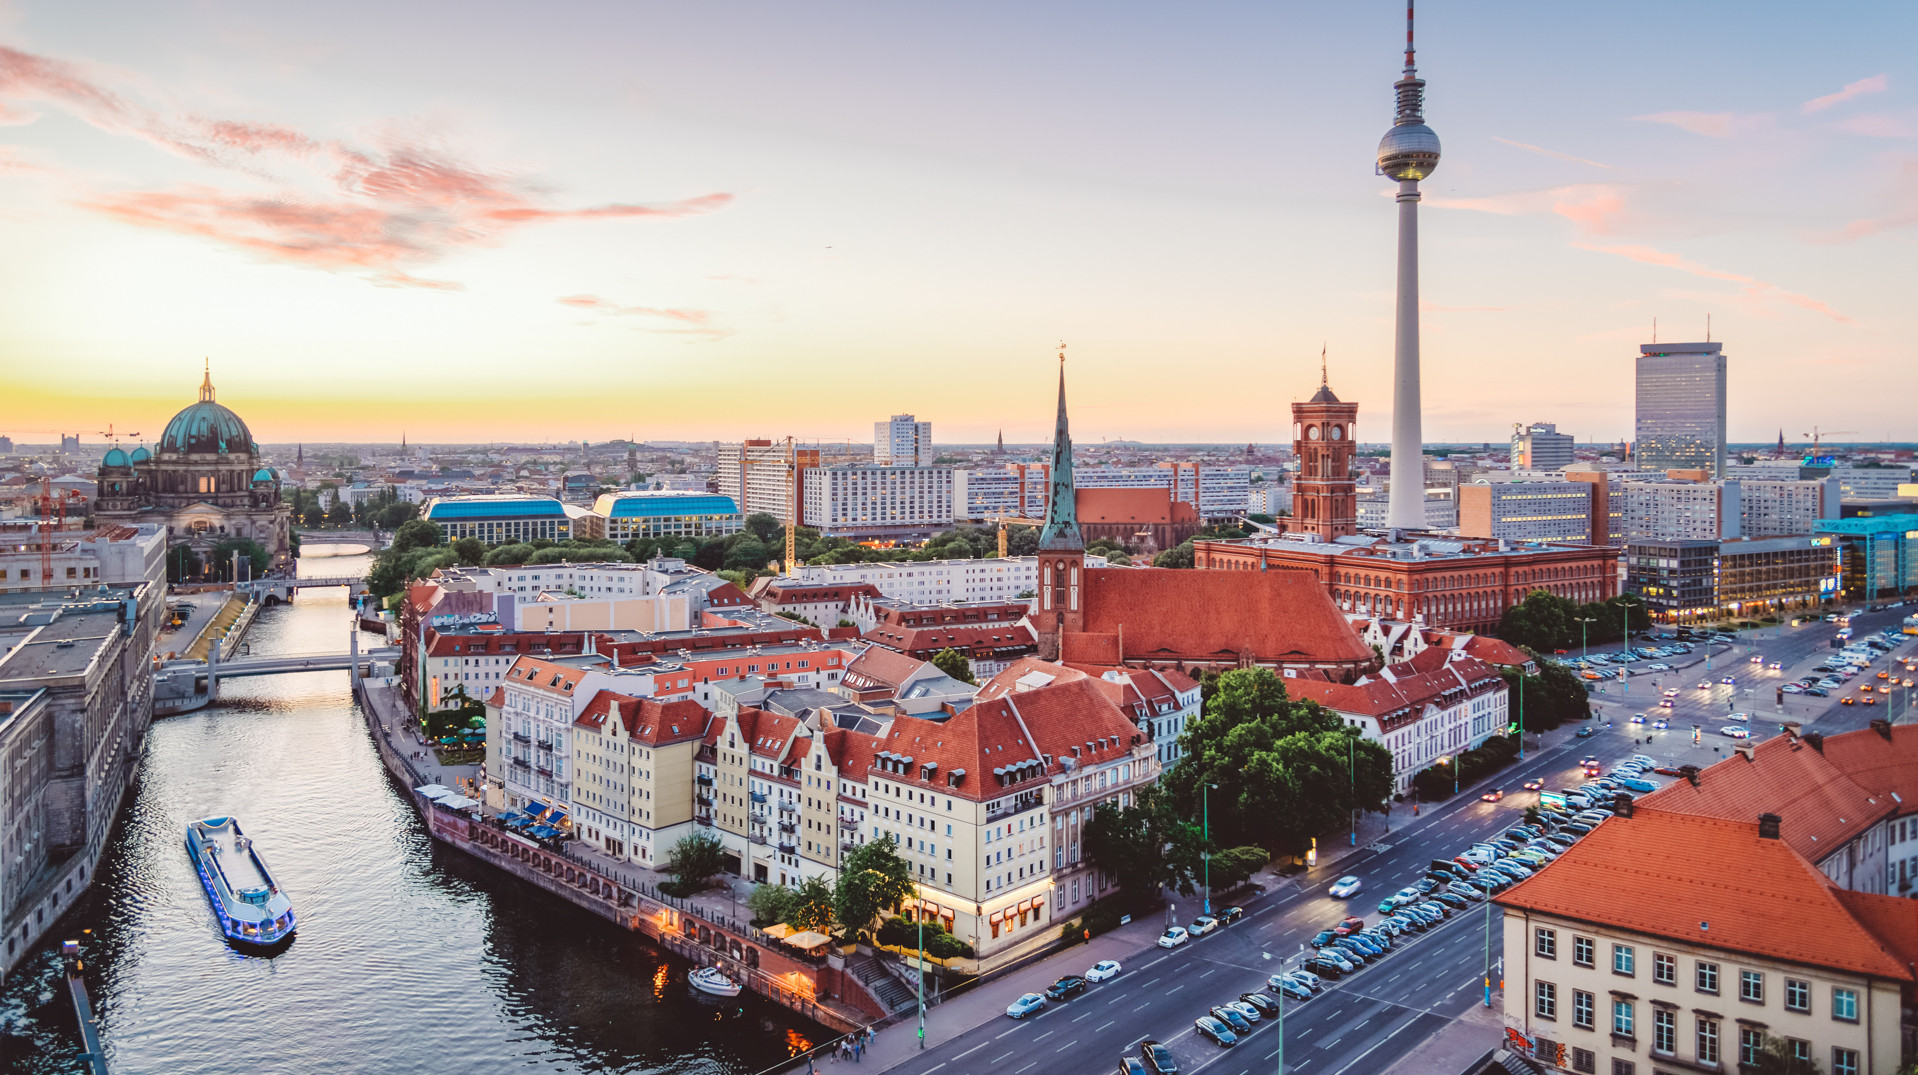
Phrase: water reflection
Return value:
(409, 958)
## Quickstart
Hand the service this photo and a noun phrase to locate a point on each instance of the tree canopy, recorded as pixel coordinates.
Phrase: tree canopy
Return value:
(1145, 847)
(954, 664)
(695, 859)
(1546, 622)
(872, 880)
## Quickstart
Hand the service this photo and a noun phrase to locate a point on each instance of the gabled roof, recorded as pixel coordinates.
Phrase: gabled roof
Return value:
(1707, 881)
(959, 636)
(882, 667)
(1883, 760)
(1025, 674)
(1074, 715)
(1166, 614)
(1401, 691)
(1821, 805)
(544, 676)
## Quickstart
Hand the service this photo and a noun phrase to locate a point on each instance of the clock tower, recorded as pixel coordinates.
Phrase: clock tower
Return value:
(1325, 497)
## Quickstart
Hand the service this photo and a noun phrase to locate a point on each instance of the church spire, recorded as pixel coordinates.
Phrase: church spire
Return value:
(206, 383)
(1061, 533)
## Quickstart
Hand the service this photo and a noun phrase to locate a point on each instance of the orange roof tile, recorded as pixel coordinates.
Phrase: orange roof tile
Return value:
(1165, 614)
(1706, 881)
(1884, 762)
(959, 636)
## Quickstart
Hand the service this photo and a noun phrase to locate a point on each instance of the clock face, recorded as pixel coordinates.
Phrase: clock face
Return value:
(1338, 432)
(1312, 433)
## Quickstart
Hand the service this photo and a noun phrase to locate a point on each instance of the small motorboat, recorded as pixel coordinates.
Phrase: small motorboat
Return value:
(253, 911)
(713, 980)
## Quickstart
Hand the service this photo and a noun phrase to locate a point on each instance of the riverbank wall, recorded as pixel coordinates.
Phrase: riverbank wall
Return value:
(817, 987)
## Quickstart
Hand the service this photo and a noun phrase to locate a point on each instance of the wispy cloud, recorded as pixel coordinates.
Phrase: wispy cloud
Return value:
(1904, 214)
(1758, 291)
(1874, 84)
(1709, 124)
(1542, 151)
(689, 322)
(1597, 208)
(1877, 125)
(316, 203)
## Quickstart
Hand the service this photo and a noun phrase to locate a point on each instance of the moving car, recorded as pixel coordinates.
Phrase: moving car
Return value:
(1638, 718)
(1733, 731)
(1729, 681)
(1535, 784)
(1202, 925)
(1103, 970)
(1231, 915)
(1173, 937)
(1215, 1030)
(1586, 732)
(1070, 986)
(1026, 1005)
(1493, 795)
(1158, 1058)
(1346, 887)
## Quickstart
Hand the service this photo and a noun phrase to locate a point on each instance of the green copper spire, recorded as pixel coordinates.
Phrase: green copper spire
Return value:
(1061, 533)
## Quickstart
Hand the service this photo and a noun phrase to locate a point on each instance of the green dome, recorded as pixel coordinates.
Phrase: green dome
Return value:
(206, 427)
(115, 458)
(264, 474)
(140, 455)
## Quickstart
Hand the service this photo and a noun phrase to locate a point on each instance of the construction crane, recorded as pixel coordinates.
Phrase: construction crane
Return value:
(108, 432)
(1816, 434)
(1004, 521)
(792, 509)
(48, 505)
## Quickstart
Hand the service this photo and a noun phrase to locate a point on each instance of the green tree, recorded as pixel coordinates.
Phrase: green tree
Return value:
(1178, 556)
(514, 554)
(874, 879)
(221, 558)
(954, 664)
(470, 550)
(763, 525)
(341, 514)
(695, 859)
(748, 553)
(1145, 847)
(1235, 865)
(182, 563)
(642, 549)
(395, 513)
(1551, 698)
(772, 904)
(312, 514)
(416, 534)
(1775, 1057)
(813, 905)
(1275, 772)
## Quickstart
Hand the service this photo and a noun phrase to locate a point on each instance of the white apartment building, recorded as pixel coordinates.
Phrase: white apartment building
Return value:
(878, 501)
(1439, 704)
(1526, 510)
(1665, 509)
(1271, 499)
(1771, 507)
(540, 701)
(940, 582)
(902, 442)
(1017, 490)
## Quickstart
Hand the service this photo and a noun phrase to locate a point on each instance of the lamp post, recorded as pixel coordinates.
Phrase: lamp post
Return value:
(1488, 953)
(1205, 809)
(921, 916)
(1352, 775)
(1521, 713)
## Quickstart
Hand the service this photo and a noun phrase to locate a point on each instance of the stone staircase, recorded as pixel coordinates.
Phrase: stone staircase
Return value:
(892, 994)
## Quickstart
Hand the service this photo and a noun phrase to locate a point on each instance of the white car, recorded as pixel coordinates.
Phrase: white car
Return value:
(1742, 718)
(1733, 731)
(1102, 970)
(1026, 1005)
(1173, 938)
(1346, 887)
(1202, 925)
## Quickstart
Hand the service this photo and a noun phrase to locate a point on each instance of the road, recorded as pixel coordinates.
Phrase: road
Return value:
(1383, 1012)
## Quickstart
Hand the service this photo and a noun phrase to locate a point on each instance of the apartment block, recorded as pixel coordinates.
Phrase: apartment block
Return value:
(878, 501)
(902, 441)
(1017, 490)
(764, 475)
(1540, 446)
(1528, 511)
(1673, 509)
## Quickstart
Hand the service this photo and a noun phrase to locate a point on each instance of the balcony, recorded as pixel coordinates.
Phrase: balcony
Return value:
(522, 737)
(522, 763)
(704, 779)
(703, 800)
(787, 847)
(848, 846)
(757, 838)
(848, 822)
(543, 770)
(787, 806)
(1018, 804)
(703, 820)
(788, 826)
(758, 797)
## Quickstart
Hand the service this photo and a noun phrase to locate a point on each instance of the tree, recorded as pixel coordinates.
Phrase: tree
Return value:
(748, 553)
(1180, 556)
(1235, 866)
(471, 551)
(312, 514)
(772, 904)
(763, 525)
(873, 879)
(1552, 697)
(415, 534)
(695, 859)
(1775, 1057)
(341, 514)
(395, 514)
(954, 664)
(1272, 771)
(1145, 847)
(514, 554)
(813, 906)
(221, 557)
(182, 563)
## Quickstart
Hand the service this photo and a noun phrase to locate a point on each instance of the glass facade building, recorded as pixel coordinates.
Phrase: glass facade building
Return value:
(1681, 407)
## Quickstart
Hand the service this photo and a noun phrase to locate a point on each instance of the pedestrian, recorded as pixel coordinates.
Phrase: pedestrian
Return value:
(859, 1050)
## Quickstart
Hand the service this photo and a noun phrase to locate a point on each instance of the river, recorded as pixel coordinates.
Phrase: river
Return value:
(409, 957)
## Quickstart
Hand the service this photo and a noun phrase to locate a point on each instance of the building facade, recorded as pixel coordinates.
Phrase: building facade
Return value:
(1771, 507)
(1673, 509)
(901, 441)
(204, 482)
(664, 516)
(1528, 511)
(1017, 490)
(1435, 706)
(1325, 498)
(501, 519)
(1692, 580)
(1540, 446)
(1680, 420)
(878, 501)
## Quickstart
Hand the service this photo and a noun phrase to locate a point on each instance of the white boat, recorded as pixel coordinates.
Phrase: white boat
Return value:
(713, 980)
(252, 909)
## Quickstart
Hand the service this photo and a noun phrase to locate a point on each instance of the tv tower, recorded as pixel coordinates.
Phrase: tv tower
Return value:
(1408, 153)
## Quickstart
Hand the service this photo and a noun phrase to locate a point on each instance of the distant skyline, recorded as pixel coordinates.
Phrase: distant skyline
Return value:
(471, 223)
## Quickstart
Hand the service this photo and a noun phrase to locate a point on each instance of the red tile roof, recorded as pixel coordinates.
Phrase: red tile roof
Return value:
(545, 675)
(800, 593)
(1006, 682)
(1398, 694)
(1707, 881)
(1168, 615)
(1074, 714)
(1882, 761)
(965, 637)
(881, 667)
(1822, 806)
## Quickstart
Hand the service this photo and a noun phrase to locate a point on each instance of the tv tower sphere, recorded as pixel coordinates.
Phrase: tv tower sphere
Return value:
(1409, 151)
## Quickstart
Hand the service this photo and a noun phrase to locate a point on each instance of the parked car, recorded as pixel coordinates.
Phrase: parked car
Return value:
(1233, 1018)
(1323, 938)
(1346, 887)
(1158, 1058)
(1202, 925)
(1070, 986)
(1026, 1005)
(1350, 923)
(1265, 1004)
(1215, 1030)
(1103, 970)
(1132, 1065)
(1640, 784)
(1327, 967)
(1290, 987)
(1173, 937)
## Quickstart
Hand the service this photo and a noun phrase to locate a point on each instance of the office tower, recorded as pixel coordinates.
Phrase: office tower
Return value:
(1681, 408)
(902, 442)
(1540, 446)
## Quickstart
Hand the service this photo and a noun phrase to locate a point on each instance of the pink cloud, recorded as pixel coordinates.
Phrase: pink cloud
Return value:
(1874, 84)
(1551, 153)
(1877, 125)
(329, 205)
(1597, 208)
(1752, 289)
(693, 322)
(1904, 215)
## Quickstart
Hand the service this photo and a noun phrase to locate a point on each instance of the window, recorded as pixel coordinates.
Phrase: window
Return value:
(1582, 950)
(1546, 943)
(1621, 1067)
(1664, 1030)
(1800, 1048)
(1708, 977)
(1622, 959)
(1844, 1062)
(1707, 1041)
(1797, 995)
(1664, 969)
(1581, 1009)
(1751, 1043)
(1546, 1000)
(1622, 1018)
(1844, 1004)
(1583, 1060)
(1751, 986)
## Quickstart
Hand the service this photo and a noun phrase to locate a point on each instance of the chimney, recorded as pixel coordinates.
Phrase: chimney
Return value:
(1743, 750)
(1817, 741)
(1768, 826)
(1882, 727)
(1790, 727)
(1622, 805)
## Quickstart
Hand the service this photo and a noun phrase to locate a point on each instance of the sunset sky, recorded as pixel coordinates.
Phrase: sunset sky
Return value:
(486, 221)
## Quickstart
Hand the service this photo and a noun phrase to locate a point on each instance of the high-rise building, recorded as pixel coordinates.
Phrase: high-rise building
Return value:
(1669, 509)
(1016, 489)
(1681, 408)
(760, 476)
(1408, 153)
(1528, 511)
(877, 501)
(1540, 446)
(902, 442)
(1325, 500)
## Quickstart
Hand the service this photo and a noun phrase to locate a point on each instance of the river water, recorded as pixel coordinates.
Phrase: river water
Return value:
(409, 957)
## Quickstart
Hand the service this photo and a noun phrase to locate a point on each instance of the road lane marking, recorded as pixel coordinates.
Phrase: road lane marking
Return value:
(1015, 1029)
(1155, 962)
(1143, 1007)
(933, 1068)
(1333, 1040)
(1001, 1058)
(1375, 1045)
(970, 1051)
(1087, 1015)
(1175, 989)
(1096, 1029)
(1044, 1036)
(1027, 1068)
(1214, 970)
(1066, 1046)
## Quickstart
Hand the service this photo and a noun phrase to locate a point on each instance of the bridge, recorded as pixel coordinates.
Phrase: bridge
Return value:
(372, 539)
(285, 662)
(281, 587)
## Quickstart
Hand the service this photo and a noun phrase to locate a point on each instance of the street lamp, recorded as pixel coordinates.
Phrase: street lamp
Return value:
(1205, 806)
(1352, 774)
(1451, 763)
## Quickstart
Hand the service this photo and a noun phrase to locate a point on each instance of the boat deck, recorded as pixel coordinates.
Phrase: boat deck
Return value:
(242, 871)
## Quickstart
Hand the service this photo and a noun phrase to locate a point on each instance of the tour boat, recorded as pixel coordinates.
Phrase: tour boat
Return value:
(252, 909)
(712, 980)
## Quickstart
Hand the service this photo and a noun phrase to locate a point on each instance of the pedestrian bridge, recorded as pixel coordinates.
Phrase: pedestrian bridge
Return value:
(281, 586)
(372, 539)
(284, 662)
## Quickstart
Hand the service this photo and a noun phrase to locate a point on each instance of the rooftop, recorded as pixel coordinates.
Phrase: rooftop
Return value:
(663, 502)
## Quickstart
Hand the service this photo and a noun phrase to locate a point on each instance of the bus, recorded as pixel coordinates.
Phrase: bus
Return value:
(1911, 625)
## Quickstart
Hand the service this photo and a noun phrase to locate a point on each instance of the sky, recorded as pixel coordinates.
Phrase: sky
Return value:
(489, 222)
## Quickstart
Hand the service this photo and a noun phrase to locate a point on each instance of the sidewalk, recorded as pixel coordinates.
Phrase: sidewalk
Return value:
(1470, 1035)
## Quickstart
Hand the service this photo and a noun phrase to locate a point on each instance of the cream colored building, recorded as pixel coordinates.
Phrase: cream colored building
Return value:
(633, 774)
(1667, 943)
